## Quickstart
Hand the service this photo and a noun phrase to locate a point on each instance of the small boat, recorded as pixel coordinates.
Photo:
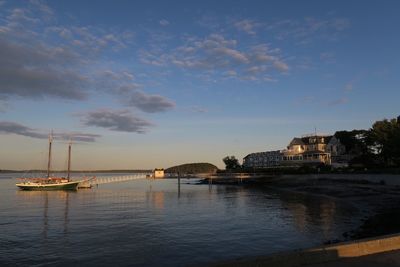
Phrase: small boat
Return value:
(50, 182)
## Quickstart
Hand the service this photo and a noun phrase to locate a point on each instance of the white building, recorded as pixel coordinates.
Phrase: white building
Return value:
(309, 149)
(158, 173)
(262, 159)
(312, 149)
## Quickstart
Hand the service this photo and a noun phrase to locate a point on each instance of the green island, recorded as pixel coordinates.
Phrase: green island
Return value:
(193, 168)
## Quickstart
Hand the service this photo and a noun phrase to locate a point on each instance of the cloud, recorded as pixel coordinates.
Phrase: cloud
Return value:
(36, 72)
(7, 127)
(115, 120)
(164, 22)
(3, 105)
(118, 76)
(197, 109)
(339, 101)
(149, 103)
(349, 87)
(280, 65)
(39, 60)
(209, 21)
(220, 56)
(42, 7)
(246, 26)
(76, 136)
(122, 84)
(304, 101)
(230, 73)
(308, 29)
(327, 57)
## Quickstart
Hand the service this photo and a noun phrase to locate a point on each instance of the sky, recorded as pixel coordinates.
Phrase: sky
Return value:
(146, 84)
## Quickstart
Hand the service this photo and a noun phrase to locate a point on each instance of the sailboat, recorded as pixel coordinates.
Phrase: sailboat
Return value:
(50, 182)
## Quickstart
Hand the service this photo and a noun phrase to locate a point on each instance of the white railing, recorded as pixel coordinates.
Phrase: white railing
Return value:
(117, 179)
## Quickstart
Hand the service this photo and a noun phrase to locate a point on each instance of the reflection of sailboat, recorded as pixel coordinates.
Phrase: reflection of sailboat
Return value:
(49, 182)
(59, 199)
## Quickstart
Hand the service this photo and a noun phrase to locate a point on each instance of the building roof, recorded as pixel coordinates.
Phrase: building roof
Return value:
(296, 141)
(265, 153)
(326, 139)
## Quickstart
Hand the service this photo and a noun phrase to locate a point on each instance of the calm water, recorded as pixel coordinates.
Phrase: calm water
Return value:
(147, 223)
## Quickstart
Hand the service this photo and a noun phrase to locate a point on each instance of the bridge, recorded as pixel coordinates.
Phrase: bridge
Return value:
(88, 183)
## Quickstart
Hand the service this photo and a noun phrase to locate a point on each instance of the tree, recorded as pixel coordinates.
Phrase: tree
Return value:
(357, 142)
(385, 136)
(231, 163)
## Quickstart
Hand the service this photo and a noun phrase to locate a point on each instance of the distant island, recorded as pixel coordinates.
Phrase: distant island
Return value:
(193, 168)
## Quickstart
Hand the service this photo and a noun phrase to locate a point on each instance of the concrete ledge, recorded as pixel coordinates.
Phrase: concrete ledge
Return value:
(322, 254)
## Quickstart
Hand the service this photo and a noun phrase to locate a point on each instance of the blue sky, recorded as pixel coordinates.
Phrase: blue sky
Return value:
(144, 84)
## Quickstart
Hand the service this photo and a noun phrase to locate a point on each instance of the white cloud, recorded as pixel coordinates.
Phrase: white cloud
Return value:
(164, 22)
(217, 53)
(246, 26)
(280, 65)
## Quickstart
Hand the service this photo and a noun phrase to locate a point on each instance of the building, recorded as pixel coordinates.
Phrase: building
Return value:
(262, 159)
(312, 149)
(158, 173)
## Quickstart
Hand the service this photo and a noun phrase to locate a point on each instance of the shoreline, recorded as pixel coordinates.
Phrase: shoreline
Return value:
(379, 195)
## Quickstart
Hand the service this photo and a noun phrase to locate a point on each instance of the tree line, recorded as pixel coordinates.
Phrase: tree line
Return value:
(378, 146)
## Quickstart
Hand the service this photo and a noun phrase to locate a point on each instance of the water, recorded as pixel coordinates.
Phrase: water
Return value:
(148, 223)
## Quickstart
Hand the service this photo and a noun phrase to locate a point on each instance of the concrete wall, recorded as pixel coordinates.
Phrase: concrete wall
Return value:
(322, 254)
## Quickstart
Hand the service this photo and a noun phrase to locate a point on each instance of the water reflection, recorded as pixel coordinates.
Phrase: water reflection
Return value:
(156, 198)
(45, 211)
(316, 212)
(59, 200)
(153, 223)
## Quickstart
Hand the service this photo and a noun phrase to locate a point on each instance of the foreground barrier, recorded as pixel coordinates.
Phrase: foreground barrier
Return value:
(322, 254)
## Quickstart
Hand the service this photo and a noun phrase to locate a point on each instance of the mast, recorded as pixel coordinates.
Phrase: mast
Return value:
(49, 159)
(69, 159)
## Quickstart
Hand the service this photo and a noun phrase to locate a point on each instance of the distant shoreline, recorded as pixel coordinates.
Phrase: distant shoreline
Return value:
(76, 171)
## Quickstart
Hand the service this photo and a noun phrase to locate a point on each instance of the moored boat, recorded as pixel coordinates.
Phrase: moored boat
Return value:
(50, 182)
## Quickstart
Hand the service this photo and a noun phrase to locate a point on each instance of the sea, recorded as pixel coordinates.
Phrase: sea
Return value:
(158, 223)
